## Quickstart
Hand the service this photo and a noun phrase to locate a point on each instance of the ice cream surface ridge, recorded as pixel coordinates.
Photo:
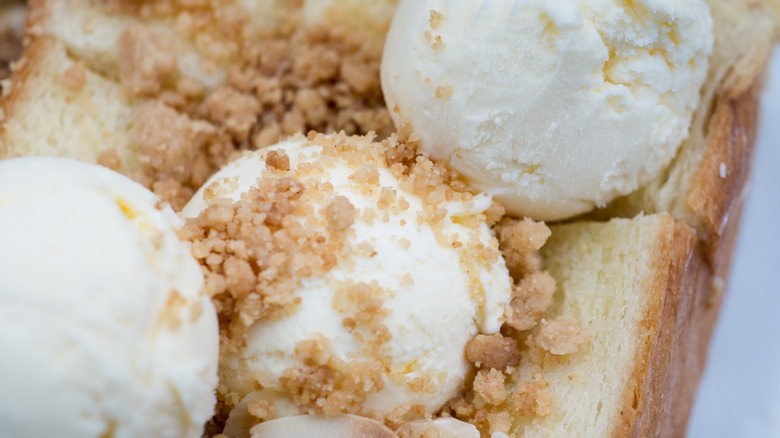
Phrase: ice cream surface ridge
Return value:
(105, 331)
(553, 107)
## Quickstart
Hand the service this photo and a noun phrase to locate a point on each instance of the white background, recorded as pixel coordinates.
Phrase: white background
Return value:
(740, 392)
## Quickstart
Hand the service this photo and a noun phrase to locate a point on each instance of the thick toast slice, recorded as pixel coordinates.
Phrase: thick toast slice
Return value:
(646, 289)
(617, 278)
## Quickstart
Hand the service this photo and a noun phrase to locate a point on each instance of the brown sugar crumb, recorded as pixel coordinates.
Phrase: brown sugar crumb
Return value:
(534, 399)
(253, 251)
(444, 92)
(75, 77)
(233, 110)
(493, 351)
(436, 19)
(289, 80)
(530, 299)
(340, 214)
(262, 410)
(109, 159)
(520, 241)
(239, 275)
(166, 140)
(145, 60)
(490, 386)
(169, 144)
(499, 422)
(325, 384)
(277, 160)
(367, 174)
(560, 336)
(437, 44)
(363, 303)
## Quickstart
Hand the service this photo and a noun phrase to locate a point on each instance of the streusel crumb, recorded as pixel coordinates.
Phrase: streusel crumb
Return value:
(493, 351)
(531, 298)
(534, 399)
(490, 386)
(145, 60)
(560, 336)
(520, 241)
(280, 81)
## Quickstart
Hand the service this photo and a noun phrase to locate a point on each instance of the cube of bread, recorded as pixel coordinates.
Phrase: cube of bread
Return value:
(645, 289)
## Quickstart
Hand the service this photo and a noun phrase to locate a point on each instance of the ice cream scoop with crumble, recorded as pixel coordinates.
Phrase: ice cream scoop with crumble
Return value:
(350, 277)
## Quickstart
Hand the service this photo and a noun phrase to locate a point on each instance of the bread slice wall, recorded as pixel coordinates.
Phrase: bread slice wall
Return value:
(707, 203)
(671, 293)
(612, 277)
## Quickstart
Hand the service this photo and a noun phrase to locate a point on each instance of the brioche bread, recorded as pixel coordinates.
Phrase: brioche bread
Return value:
(644, 276)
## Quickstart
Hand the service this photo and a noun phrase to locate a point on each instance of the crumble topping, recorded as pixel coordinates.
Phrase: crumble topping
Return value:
(326, 384)
(534, 399)
(560, 336)
(493, 352)
(145, 60)
(520, 241)
(110, 159)
(293, 80)
(282, 80)
(531, 298)
(254, 251)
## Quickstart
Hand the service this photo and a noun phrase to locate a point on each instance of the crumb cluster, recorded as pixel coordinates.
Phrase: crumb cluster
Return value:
(254, 251)
(496, 396)
(282, 80)
(292, 79)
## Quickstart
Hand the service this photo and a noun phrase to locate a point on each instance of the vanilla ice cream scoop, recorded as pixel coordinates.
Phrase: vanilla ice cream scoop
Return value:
(554, 107)
(103, 327)
(413, 283)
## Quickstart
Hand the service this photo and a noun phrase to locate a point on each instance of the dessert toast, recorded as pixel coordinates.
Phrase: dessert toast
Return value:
(643, 276)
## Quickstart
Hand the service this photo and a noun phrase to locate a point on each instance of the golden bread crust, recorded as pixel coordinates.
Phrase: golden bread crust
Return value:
(699, 268)
(684, 289)
(660, 408)
(725, 166)
(15, 91)
(652, 328)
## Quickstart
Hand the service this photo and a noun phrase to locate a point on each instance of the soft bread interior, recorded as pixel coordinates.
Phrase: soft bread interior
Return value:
(611, 277)
(43, 116)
